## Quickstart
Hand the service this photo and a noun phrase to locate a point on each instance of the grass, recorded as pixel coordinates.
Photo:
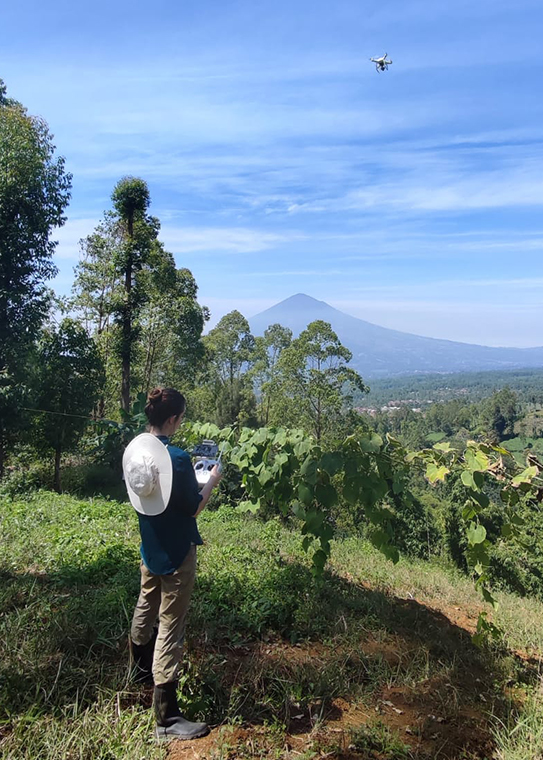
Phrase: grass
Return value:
(377, 654)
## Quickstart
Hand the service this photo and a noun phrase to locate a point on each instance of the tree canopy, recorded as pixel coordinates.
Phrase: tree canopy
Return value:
(34, 193)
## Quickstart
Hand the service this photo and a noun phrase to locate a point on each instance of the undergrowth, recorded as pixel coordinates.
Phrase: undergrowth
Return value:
(267, 643)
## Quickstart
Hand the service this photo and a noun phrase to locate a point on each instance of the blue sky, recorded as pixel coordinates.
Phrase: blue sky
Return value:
(279, 161)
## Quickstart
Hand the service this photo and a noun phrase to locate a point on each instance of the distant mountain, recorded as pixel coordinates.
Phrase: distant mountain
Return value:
(378, 351)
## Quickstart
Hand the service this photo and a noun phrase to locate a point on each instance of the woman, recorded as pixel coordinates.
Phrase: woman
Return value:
(169, 537)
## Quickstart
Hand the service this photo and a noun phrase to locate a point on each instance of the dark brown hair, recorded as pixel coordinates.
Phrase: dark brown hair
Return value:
(163, 403)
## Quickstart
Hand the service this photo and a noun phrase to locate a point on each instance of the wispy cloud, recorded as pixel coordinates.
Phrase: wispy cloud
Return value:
(227, 239)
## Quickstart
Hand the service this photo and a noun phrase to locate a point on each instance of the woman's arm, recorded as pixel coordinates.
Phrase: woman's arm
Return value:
(214, 479)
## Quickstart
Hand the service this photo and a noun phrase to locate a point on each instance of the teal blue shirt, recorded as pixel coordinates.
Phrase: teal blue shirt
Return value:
(166, 538)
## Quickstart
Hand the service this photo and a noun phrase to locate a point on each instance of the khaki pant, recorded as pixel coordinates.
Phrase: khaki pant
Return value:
(166, 597)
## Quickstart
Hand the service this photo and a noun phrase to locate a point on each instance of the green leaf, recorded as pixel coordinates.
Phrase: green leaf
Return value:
(526, 476)
(298, 510)
(319, 559)
(265, 477)
(476, 460)
(249, 506)
(468, 513)
(467, 479)
(305, 493)
(331, 462)
(397, 486)
(351, 491)
(479, 479)
(313, 522)
(509, 496)
(445, 446)
(481, 498)
(371, 445)
(518, 520)
(326, 494)
(487, 596)
(476, 533)
(435, 473)
(309, 470)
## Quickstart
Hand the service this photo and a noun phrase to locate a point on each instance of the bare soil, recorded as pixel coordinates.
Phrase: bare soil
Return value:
(447, 716)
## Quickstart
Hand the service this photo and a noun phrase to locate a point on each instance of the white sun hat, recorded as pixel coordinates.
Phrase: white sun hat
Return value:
(148, 474)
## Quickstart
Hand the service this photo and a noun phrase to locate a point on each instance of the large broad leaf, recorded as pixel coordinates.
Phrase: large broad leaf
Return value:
(249, 506)
(476, 533)
(309, 470)
(313, 522)
(509, 496)
(473, 479)
(436, 472)
(481, 498)
(265, 476)
(371, 445)
(445, 446)
(351, 491)
(487, 596)
(319, 560)
(526, 476)
(326, 494)
(476, 460)
(331, 462)
(467, 479)
(305, 493)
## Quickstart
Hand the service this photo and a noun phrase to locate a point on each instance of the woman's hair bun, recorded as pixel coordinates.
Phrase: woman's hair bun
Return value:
(163, 403)
(155, 396)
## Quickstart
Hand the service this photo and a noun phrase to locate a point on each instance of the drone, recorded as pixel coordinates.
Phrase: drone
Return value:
(381, 64)
(206, 458)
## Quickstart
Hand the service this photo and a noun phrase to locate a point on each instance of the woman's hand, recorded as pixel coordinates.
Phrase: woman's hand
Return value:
(214, 478)
(216, 474)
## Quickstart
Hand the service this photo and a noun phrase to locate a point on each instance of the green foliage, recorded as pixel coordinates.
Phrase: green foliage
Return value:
(288, 473)
(141, 311)
(34, 193)
(108, 438)
(378, 738)
(69, 375)
(499, 413)
(137, 233)
(268, 350)
(312, 381)
(231, 353)
(70, 579)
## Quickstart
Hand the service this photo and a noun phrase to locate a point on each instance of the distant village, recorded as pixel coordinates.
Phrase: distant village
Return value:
(414, 404)
(392, 406)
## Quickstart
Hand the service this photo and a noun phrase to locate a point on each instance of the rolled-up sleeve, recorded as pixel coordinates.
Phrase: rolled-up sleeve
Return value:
(185, 494)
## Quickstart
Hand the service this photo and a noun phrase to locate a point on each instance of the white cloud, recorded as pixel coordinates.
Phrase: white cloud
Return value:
(227, 239)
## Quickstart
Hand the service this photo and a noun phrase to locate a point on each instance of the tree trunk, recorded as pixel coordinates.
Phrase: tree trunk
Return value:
(2, 453)
(56, 479)
(127, 339)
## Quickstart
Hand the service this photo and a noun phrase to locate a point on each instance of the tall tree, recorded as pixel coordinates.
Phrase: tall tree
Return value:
(166, 328)
(138, 232)
(231, 353)
(314, 380)
(96, 289)
(172, 322)
(34, 193)
(268, 351)
(499, 413)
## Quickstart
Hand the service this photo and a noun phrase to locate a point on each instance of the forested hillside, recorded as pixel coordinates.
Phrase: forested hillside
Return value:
(368, 559)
